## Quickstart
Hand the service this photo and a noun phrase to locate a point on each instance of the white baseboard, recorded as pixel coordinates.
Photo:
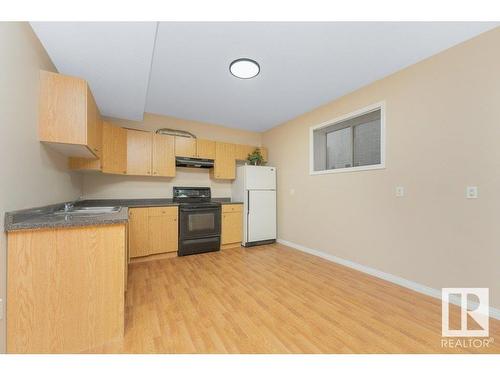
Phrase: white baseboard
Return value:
(428, 291)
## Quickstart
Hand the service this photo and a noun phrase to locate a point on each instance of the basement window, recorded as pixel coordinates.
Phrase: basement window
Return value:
(352, 142)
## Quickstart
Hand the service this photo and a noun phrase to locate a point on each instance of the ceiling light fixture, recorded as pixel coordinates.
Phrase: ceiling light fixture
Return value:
(244, 68)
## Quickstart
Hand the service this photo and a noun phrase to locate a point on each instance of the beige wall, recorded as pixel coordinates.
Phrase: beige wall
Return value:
(443, 134)
(110, 186)
(32, 175)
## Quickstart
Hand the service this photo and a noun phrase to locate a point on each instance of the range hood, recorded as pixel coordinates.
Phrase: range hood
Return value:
(181, 161)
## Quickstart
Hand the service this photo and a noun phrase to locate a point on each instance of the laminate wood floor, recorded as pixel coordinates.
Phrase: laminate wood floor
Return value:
(273, 299)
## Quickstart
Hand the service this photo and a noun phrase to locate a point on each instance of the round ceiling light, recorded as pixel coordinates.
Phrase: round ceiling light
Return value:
(244, 68)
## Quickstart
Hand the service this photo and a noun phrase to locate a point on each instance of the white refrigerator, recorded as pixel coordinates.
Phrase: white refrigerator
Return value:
(255, 186)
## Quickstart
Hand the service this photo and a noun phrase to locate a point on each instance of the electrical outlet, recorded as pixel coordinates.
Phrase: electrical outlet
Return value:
(471, 192)
(292, 191)
(400, 191)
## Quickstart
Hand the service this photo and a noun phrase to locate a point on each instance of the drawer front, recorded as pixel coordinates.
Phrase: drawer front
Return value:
(163, 211)
(232, 208)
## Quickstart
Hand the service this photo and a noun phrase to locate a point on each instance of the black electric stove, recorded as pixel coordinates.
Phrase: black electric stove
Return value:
(199, 220)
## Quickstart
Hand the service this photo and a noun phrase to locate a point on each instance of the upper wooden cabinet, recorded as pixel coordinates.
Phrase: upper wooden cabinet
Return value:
(150, 154)
(185, 147)
(114, 151)
(263, 151)
(242, 151)
(163, 155)
(205, 149)
(225, 161)
(68, 116)
(139, 152)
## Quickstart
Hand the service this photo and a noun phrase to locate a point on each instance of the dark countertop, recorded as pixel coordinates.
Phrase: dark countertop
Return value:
(44, 217)
(156, 202)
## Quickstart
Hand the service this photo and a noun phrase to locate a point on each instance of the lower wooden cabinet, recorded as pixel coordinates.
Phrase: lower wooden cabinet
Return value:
(65, 288)
(153, 230)
(232, 225)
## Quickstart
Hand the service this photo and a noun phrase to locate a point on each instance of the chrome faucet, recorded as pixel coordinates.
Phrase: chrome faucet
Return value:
(68, 206)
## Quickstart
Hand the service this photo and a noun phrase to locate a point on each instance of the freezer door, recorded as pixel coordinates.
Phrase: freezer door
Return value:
(260, 178)
(261, 223)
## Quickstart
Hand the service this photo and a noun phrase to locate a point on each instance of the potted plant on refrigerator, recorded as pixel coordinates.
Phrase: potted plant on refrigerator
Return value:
(256, 158)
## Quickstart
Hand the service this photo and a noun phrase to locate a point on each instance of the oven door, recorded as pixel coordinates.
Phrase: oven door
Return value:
(199, 222)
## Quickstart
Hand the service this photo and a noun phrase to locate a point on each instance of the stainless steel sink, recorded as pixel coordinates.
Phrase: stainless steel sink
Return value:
(88, 211)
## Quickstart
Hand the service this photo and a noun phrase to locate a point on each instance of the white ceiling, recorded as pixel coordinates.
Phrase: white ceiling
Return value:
(114, 57)
(303, 65)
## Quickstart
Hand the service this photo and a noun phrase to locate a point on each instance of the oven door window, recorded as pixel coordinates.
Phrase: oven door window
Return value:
(201, 222)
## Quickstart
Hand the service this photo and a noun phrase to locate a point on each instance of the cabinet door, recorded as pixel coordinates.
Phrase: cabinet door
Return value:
(163, 155)
(139, 151)
(232, 227)
(94, 125)
(225, 162)
(185, 147)
(62, 109)
(163, 230)
(263, 151)
(205, 149)
(86, 164)
(242, 151)
(114, 149)
(138, 232)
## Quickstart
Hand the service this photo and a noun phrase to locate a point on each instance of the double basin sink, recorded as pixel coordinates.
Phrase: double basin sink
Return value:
(87, 211)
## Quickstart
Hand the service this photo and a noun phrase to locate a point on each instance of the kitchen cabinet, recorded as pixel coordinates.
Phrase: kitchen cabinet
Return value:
(139, 152)
(263, 151)
(84, 164)
(185, 147)
(163, 158)
(138, 232)
(113, 155)
(65, 288)
(225, 161)
(232, 225)
(69, 119)
(242, 151)
(152, 230)
(163, 229)
(205, 149)
(114, 149)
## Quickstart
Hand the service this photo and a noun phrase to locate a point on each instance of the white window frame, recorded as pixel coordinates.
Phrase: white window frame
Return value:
(348, 116)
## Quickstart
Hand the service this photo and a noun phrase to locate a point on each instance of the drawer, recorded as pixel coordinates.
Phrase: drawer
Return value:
(232, 208)
(163, 211)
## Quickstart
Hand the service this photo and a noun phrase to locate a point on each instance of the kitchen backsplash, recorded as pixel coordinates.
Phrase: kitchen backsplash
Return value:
(103, 186)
